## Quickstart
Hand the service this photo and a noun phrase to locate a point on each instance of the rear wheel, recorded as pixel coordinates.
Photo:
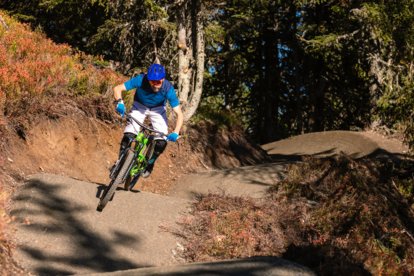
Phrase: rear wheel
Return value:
(110, 190)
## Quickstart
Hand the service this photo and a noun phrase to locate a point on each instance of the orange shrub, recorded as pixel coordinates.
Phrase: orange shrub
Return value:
(32, 67)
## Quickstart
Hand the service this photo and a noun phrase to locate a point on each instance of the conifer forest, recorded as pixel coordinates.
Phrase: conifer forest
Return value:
(276, 67)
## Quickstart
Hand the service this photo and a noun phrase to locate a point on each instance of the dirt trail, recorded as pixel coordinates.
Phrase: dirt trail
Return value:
(62, 233)
(320, 144)
(244, 181)
(254, 180)
(59, 231)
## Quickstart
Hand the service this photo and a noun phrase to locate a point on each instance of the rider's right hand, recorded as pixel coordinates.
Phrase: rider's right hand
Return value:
(120, 108)
(173, 137)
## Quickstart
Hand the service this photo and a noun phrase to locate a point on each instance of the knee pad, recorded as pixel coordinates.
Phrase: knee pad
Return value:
(126, 140)
(160, 146)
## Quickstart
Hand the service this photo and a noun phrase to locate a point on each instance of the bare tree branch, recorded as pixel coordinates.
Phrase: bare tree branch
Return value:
(3, 23)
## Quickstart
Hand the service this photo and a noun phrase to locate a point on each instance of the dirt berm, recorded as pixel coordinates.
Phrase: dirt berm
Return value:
(59, 232)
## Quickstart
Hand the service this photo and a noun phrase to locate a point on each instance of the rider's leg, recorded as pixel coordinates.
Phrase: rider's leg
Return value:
(126, 141)
(158, 117)
(132, 128)
(159, 147)
(138, 113)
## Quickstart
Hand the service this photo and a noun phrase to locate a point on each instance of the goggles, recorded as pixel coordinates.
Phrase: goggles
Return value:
(155, 82)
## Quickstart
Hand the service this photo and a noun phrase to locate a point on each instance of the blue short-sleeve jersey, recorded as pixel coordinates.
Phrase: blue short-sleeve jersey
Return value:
(146, 96)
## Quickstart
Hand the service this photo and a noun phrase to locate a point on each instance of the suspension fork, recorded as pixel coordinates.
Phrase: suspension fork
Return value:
(139, 157)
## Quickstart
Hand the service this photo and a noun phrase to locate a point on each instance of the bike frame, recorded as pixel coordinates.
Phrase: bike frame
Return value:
(143, 143)
(132, 162)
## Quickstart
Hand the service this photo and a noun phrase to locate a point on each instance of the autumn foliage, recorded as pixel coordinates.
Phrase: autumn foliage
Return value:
(41, 78)
(38, 76)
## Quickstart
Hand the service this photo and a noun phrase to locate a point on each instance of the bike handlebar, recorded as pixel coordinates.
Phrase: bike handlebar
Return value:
(129, 117)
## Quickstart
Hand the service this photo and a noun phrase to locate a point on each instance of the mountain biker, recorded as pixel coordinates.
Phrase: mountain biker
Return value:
(152, 93)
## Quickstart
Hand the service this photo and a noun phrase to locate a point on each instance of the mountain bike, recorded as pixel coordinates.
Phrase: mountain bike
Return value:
(132, 162)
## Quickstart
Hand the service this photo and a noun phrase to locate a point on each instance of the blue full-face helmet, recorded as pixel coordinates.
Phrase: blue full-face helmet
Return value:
(156, 72)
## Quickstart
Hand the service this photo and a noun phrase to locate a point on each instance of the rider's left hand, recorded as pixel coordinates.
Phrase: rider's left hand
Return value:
(120, 108)
(173, 136)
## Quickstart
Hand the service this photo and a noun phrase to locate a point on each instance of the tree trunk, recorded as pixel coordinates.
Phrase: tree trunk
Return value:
(318, 106)
(191, 51)
(298, 96)
(199, 61)
(3, 23)
(184, 56)
(272, 86)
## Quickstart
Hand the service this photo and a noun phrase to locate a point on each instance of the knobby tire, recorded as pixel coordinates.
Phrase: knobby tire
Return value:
(118, 180)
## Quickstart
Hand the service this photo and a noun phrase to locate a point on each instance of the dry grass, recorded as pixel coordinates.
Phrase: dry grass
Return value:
(223, 227)
(336, 216)
(358, 209)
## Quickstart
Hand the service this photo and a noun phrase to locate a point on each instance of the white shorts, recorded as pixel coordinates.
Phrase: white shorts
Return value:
(157, 116)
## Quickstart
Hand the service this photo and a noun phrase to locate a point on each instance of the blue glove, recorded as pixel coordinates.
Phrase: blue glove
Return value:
(120, 108)
(173, 136)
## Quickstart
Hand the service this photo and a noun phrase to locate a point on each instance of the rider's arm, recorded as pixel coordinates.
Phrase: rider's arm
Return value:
(135, 82)
(179, 120)
(118, 91)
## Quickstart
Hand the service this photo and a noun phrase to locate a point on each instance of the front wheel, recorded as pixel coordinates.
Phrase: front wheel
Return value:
(131, 181)
(110, 190)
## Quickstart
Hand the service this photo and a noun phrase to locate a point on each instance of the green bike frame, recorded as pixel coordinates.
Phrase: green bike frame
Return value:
(140, 149)
(131, 163)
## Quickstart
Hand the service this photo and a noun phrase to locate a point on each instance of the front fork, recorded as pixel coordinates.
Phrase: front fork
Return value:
(139, 160)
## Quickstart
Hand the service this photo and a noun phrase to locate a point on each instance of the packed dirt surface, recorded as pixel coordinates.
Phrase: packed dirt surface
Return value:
(60, 211)
(322, 144)
(252, 181)
(85, 149)
(60, 232)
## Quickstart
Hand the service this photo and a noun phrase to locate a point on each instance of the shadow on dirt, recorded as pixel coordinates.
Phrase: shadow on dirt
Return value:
(380, 153)
(263, 175)
(53, 214)
(224, 147)
(326, 260)
(263, 265)
(377, 153)
(250, 181)
(295, 157)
